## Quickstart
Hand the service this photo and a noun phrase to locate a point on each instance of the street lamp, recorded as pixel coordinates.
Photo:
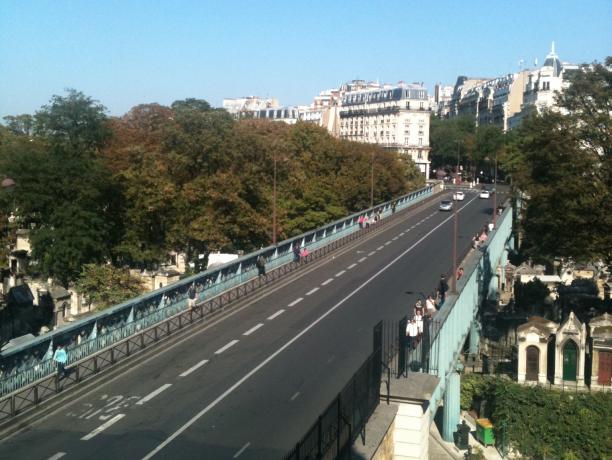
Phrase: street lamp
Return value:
(372, 181)
(274, 203)
(455, 226)
(495, 193)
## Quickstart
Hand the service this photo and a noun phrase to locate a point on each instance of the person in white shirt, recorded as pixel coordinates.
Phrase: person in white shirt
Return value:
(412, 332)
(430, 305)
(419, 323)
(491, 226)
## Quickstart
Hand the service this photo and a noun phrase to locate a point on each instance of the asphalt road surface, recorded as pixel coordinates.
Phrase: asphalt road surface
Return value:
(250, 385)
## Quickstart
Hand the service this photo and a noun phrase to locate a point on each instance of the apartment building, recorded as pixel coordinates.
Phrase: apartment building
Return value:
(394, 117)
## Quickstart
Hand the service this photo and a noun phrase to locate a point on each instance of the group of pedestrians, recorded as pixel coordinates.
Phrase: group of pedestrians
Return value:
(481, 237)
(300, 255)
(414, 327)
(365, 221)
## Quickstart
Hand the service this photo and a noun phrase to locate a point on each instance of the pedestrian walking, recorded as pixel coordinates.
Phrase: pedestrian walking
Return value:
(459, 273)
(191, 296)
(442, 288)
(61, 358)
(304, 254)
(296, 252)
(261, 265)
(361, 221)
(366, 221)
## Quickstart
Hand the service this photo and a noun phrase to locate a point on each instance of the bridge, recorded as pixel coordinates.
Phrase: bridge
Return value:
(247, 372)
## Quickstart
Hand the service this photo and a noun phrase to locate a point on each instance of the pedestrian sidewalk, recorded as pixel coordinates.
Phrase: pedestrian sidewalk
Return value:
(442, 450)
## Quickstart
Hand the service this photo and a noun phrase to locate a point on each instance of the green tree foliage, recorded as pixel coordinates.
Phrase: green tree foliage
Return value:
(62, 192)
(105, 285)
(187, 178)
(544, 423)
(451, 138)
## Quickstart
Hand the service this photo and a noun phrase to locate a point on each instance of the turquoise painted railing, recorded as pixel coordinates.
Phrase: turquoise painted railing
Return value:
(28, 362)
(452, 324)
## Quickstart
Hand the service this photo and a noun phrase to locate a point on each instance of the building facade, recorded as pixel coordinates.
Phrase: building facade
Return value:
(393, 117)
(236, 106)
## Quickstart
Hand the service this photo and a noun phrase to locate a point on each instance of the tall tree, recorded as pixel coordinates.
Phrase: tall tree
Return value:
(562, 164)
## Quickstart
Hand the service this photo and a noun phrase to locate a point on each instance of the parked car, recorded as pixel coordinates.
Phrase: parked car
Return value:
(484, 194)
(446, 205)
(458, 196)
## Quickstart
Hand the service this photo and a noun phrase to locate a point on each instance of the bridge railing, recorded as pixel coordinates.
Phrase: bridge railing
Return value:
(450, 327)
(31, 361)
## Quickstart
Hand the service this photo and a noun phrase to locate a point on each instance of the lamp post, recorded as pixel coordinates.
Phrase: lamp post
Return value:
(455, 226)
(274, 203)
(495, 194)
(372, 181)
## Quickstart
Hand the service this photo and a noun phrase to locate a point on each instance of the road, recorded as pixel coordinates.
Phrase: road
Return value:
(250, 385)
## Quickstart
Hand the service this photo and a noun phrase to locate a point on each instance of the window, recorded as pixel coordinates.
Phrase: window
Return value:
(420, 141)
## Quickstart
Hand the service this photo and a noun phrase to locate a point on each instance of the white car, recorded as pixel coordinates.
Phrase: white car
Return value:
(484, 194)
(458, 196)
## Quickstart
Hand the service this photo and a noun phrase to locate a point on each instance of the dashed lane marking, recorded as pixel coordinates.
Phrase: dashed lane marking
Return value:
(379, 248)
(340, 273)
(290, 342)
(362, 259)
(312, 291)
(372, 253)
(193, 368)
(242, 449)
(276, 315)
(387, 243)
(296, 301)
(294, 396)
(152, 395)
(351, 266)
(225, 347)
(253, 329)
(395, 238)
(102, 427)
(326, 282)
(57, 456)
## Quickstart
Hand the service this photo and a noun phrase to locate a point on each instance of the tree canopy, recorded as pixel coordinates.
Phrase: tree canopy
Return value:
(188, 178)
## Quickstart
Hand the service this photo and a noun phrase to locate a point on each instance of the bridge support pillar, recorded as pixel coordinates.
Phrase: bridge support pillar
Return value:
(452, 396)
(474, 337)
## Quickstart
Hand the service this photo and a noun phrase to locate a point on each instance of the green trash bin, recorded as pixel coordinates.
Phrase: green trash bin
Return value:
(484, 432)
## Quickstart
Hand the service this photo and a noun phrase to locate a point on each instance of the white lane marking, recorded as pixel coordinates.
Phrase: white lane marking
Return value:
(379, 248)
(237, 454)
(326, 282)
(152, 395)
(102, 427)
(351, 266)
(278, 313)
(257, 368)
(395, 238)
(253, 329)
(193, 368)
(225, 347)
(296, 301)
(362, 259)
(402, 234)
(371, 253)
(312, 291)
(57, 456)
(340, 273)
(387, 243)
(294, 396)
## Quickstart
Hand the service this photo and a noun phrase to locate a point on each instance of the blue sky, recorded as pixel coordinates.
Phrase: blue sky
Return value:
(127, 52)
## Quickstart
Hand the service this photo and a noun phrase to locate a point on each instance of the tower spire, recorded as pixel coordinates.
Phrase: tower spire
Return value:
(552, 48)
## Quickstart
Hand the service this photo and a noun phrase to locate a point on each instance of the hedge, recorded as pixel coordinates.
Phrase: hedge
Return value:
(542, 423)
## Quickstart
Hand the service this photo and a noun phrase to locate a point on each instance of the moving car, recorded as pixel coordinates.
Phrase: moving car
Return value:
(484, 194)
(458, 196)
(446, 205)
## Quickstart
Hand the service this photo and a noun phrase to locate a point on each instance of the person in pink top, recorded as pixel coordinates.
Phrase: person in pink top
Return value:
(304, 254)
